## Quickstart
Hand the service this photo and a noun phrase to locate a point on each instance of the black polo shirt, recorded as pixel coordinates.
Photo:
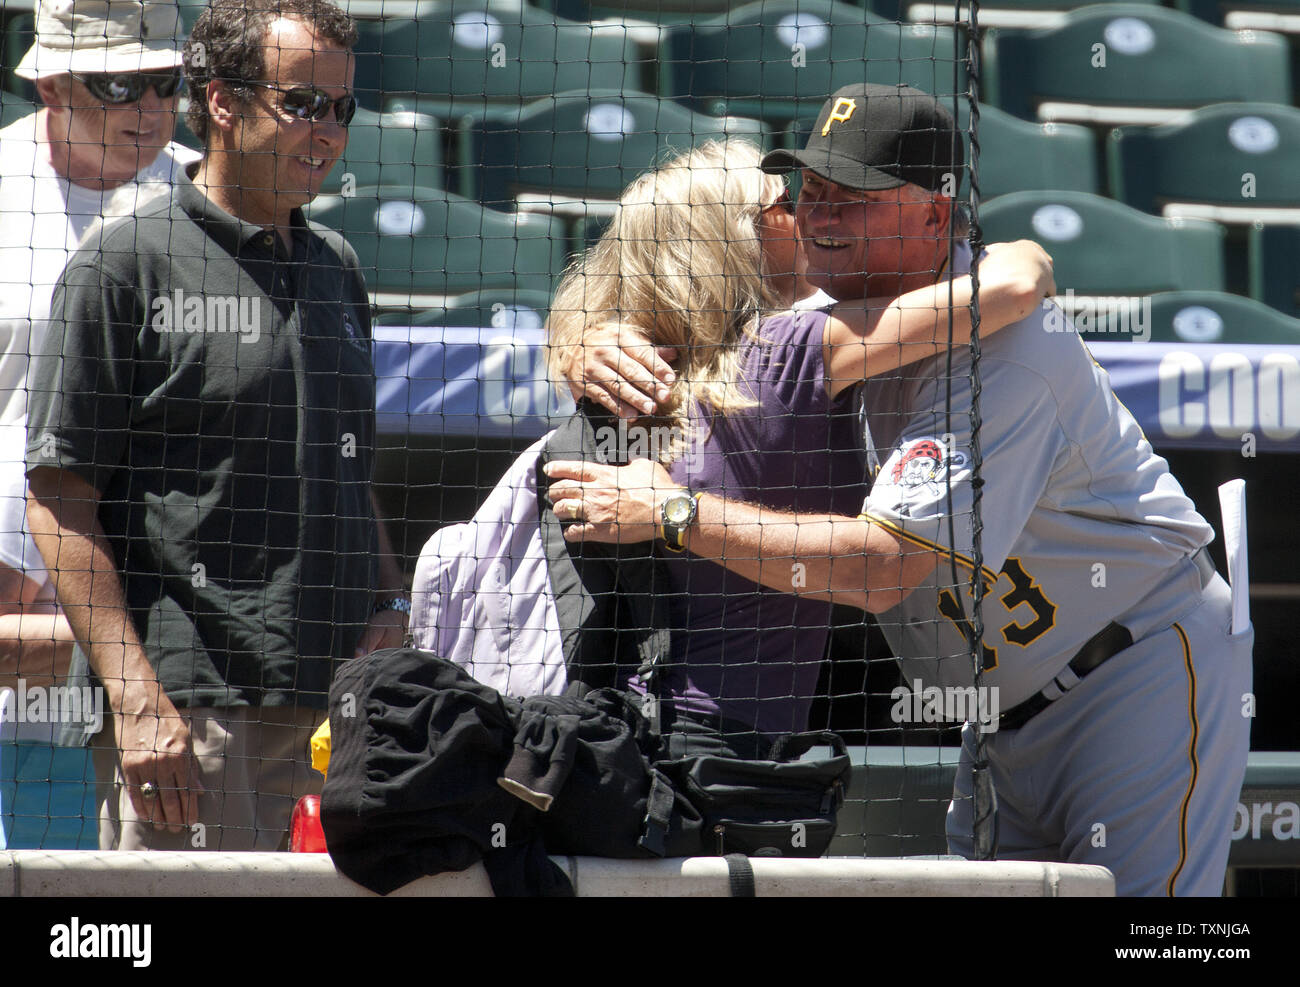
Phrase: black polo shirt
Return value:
(218, 391)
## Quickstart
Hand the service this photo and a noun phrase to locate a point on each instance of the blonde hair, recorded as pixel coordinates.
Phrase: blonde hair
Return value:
(682, 260)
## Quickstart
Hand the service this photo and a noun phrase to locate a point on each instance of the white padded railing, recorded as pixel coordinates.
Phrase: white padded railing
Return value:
(93, 873)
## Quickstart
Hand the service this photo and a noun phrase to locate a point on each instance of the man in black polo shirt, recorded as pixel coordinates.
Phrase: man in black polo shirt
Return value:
(200, 445)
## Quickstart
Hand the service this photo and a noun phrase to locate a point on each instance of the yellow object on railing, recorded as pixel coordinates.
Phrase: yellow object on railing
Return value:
(320, 748)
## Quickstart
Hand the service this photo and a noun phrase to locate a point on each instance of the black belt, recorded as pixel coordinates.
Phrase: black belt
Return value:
(1101, 647)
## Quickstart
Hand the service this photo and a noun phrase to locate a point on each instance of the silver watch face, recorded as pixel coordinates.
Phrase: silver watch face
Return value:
(677, 508)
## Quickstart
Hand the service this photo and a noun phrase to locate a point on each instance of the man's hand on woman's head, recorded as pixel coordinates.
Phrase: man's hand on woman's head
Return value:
(616, 366)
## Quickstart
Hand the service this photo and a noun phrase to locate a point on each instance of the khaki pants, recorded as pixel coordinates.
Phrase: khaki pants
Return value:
(254, 765)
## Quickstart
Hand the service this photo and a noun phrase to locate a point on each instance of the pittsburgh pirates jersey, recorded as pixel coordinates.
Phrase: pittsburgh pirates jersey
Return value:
(1083, 523)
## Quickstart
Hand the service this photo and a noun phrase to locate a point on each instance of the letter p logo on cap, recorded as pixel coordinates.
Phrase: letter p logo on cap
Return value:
(842, 111)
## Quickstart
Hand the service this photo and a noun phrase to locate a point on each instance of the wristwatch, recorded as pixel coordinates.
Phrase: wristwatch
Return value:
(402, 604)
(677, 513)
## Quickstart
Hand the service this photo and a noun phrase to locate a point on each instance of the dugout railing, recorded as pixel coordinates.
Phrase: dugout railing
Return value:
(59, 873)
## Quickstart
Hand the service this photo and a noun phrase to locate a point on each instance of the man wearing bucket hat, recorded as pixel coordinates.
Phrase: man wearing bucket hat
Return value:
(108, 74)
(1114, 680)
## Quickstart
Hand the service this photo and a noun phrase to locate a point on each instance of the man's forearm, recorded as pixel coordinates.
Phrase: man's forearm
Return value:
(862, 341)
(391, 580)
(828, 557)
(387, 626)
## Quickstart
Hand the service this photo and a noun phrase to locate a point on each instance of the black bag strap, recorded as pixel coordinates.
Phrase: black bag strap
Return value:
(643, 586)
(658, 814)
(740, 875)
(792, 746)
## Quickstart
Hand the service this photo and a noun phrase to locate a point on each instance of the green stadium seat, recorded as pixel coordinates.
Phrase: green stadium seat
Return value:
(562, 152)
(651, 11)
(392, 149)
(13, 107)
(1282, 16)
(590, 230)
(674, 11)
(1209, 317)
(378, 10)
(190, 10)
(1016, 155)
(890, 10)
(641, 21)
(1103, 247)
(17, 32)
(470, 58)
(1275, 267)
(418, 246)
(1019, 14)
(1234, 163)
(778, 60)
(501, 308)
(1156, 62)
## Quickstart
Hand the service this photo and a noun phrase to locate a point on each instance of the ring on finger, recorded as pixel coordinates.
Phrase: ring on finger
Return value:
(149, 790)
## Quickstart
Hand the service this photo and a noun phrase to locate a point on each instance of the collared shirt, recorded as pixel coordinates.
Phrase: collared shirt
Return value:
(217, 389)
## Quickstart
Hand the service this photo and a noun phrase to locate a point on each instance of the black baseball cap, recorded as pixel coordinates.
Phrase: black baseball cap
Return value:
(871, 137)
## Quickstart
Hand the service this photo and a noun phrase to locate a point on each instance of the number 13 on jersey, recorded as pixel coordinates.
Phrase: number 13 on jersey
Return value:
(1026, 626)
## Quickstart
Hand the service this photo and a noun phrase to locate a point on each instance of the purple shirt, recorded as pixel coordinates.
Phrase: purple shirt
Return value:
(750, 653)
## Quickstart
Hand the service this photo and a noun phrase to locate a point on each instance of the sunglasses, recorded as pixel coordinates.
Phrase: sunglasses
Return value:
(125, 88)
(306, 103)
(782, 202)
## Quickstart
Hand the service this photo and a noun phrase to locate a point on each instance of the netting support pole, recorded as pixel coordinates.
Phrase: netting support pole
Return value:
(984, 805)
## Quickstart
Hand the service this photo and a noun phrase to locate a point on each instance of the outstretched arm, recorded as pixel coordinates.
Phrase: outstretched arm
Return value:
(614, 364)
(866, 338)
(827, 557)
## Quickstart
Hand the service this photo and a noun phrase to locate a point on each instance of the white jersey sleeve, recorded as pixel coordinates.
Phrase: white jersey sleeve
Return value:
(1080, 518)
(923, 491)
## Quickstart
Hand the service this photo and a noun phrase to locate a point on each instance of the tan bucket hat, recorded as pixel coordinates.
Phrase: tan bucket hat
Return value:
(113, 36)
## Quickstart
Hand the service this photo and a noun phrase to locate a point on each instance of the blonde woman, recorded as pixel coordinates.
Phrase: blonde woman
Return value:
(700, 260)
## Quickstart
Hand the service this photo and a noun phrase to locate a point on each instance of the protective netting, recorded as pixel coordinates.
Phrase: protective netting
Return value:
(187, 369)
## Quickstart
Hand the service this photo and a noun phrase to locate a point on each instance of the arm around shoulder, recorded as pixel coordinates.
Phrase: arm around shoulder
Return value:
(867, 338)
(827, 557)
